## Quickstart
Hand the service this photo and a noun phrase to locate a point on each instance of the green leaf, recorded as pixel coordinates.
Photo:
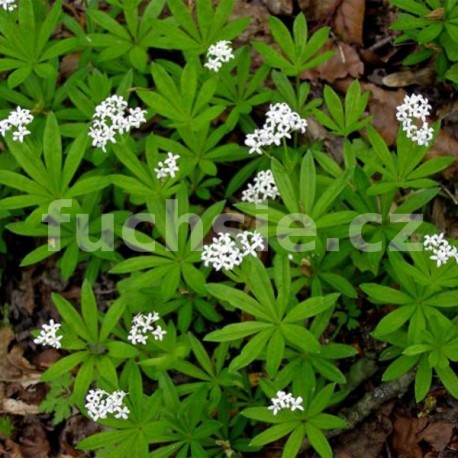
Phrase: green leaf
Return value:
(398, 367)
(274, 433)
(307, 186)
(88, 185)
(334, 105)
(104, 439)
(449, 379)
(200, 354)
(82, 381)
(394, 320)
(326, 421)
(19, 76)
(294, 442)
(384, 295)
(423, 379)
(71, 316)
(318, 441)
(64, 365)
(282, 36)
(237, 299)
(320, 401)
(236, 331)
(251, 350)
(275, 352)
(311, 307)
(37, 255)
(259, 283)
(109, 24)
(121, 350)
(89, 309)
(111, 319)
(48, 26)
(262, 414)
(285, 186)
(301, 337)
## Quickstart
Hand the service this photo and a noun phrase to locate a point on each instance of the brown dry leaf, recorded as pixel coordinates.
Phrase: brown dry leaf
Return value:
(76, 428)
(349, 21)
(446, 145)
(15, 407)
(317, 10)
(405, 440)
(23, 296)
(438, 435)
(46, 358)
(345, 62)
(33, 441)
(9, 449)
(13, 367)
(284, 7)
(382, 106)
(422, 77)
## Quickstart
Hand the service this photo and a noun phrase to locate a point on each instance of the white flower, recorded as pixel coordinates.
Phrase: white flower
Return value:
(285, 401)
(250, 242)
(18, 119)
(412, 115)
(280, 122)
(110, 118)
(8, 5)
(441, 250)
(218, 54)
(99, 404)
(168, 167)
(263, 188)
(48, 335)
(142, 325)
(226, 253)
(20, 133)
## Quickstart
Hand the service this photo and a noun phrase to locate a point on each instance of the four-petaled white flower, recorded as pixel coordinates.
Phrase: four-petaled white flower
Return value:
(143, 326)
(280, 122)
(168, 167)
(48, 335)
(218, 54)
(100, 404)
(412, 115)
(263, 188)
(110, 118)
(18, 119)
(8, 5)
(285, 401)
(226, 252)
(441, 249)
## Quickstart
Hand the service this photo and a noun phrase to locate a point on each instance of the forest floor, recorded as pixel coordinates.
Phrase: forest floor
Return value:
(397, 427)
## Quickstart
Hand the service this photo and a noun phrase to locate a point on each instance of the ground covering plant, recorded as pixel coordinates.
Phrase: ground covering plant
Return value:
(241, 251)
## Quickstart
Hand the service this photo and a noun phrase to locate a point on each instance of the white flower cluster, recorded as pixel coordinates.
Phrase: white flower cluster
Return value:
(263, 188)
(99, 404)
(285, 401)
(411, 114)
(280, 122)
(8, 5)
(142, 325)
(48, 335)
(226, 253)
(18, 119)
(168, 167)
(441, 249)
(218, 54)
(110, 118)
